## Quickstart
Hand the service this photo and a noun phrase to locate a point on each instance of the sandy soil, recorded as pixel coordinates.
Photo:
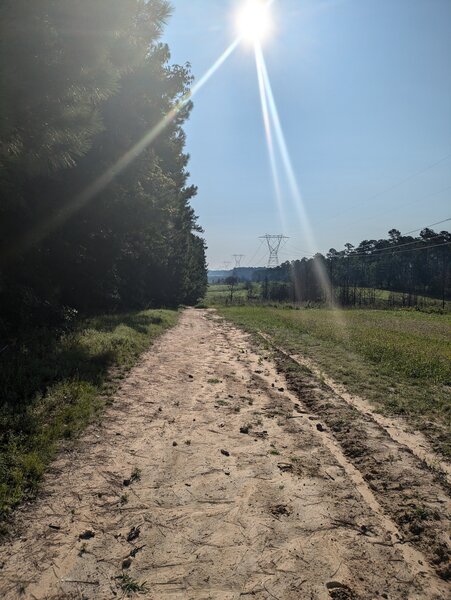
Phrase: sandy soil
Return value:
(240, 491)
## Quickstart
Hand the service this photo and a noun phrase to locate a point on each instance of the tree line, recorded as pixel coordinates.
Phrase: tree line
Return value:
(410, 266)
(81, 83)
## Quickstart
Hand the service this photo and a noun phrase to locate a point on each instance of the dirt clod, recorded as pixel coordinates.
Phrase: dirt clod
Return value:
(133, 534)
(86, 535)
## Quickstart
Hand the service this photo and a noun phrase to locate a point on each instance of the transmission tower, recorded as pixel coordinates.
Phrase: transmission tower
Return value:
(273, 242)
(226, 265)
(238, 258)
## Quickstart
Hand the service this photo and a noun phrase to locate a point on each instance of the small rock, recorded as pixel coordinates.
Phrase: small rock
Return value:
(86, 535)
(56, 527)
(244, 429)
(191, 376)
(225, 453)
(280, 509)
(281, 389)
(226, 472)
(126, 563)
(188, 442)
(126, 482)
(320, 427)
(159, 409)
(174, 443)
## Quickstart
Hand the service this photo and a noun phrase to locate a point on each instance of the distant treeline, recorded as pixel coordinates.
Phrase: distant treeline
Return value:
(80, 83)
(412, 266)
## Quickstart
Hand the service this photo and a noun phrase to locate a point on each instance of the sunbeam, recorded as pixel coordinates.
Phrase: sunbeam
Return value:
(45, 227)
(273, 114)
(270, 142)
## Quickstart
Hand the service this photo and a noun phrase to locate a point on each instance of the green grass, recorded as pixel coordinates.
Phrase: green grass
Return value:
(218, 294)
(53, 386)
(400, 360)
(131, 586)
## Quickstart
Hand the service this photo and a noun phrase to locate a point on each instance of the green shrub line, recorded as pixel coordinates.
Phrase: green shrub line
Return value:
(399, 360)
(53, 386)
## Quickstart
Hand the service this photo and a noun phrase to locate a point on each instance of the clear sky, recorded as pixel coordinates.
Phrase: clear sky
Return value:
(363, 89)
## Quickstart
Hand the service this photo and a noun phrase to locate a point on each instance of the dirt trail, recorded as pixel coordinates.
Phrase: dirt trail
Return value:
(238, 492)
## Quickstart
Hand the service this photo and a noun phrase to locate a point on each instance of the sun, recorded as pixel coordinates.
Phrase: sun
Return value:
(254, 21)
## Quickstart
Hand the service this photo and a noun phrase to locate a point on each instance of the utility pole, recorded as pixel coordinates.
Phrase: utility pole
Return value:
(273, 242)
(238, 258)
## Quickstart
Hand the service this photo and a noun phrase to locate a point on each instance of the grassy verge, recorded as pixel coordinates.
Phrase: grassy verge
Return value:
(52, 387)
(399, 360)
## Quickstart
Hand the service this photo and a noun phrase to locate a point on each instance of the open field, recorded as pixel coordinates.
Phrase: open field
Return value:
(219, 294)
(400, 360)
(53, 386)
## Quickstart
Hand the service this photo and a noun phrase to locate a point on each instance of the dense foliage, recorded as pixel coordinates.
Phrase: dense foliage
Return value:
(412, 266)
(81, 83)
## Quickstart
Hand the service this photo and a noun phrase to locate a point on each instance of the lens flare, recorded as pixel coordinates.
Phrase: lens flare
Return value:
(51, 222)
(272, 121)
(254, 21)
(270, 143)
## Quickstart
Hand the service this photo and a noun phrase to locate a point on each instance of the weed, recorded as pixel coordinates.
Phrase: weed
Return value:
(214, 380)
(130, 585)
(222, 402)
(136, 475)
(123, 499)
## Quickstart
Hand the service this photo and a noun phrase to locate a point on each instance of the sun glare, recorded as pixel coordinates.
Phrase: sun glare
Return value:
(254, 21)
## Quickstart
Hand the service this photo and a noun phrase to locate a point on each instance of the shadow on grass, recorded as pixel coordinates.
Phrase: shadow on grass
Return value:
(140, 322)
(52, 385)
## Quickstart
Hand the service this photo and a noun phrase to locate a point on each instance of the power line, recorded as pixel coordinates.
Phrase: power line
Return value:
(408, 204)
(391, 251)
(256, 252)
(394, 249)
(427, 226)
(393, 186)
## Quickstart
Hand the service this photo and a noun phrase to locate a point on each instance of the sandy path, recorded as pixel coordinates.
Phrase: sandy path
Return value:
(274, 511)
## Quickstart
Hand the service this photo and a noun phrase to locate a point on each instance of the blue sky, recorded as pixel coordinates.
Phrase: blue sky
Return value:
(363, 89)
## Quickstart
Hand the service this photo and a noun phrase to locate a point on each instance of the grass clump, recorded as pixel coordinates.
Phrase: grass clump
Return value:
(131, 586)
(52, 386)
